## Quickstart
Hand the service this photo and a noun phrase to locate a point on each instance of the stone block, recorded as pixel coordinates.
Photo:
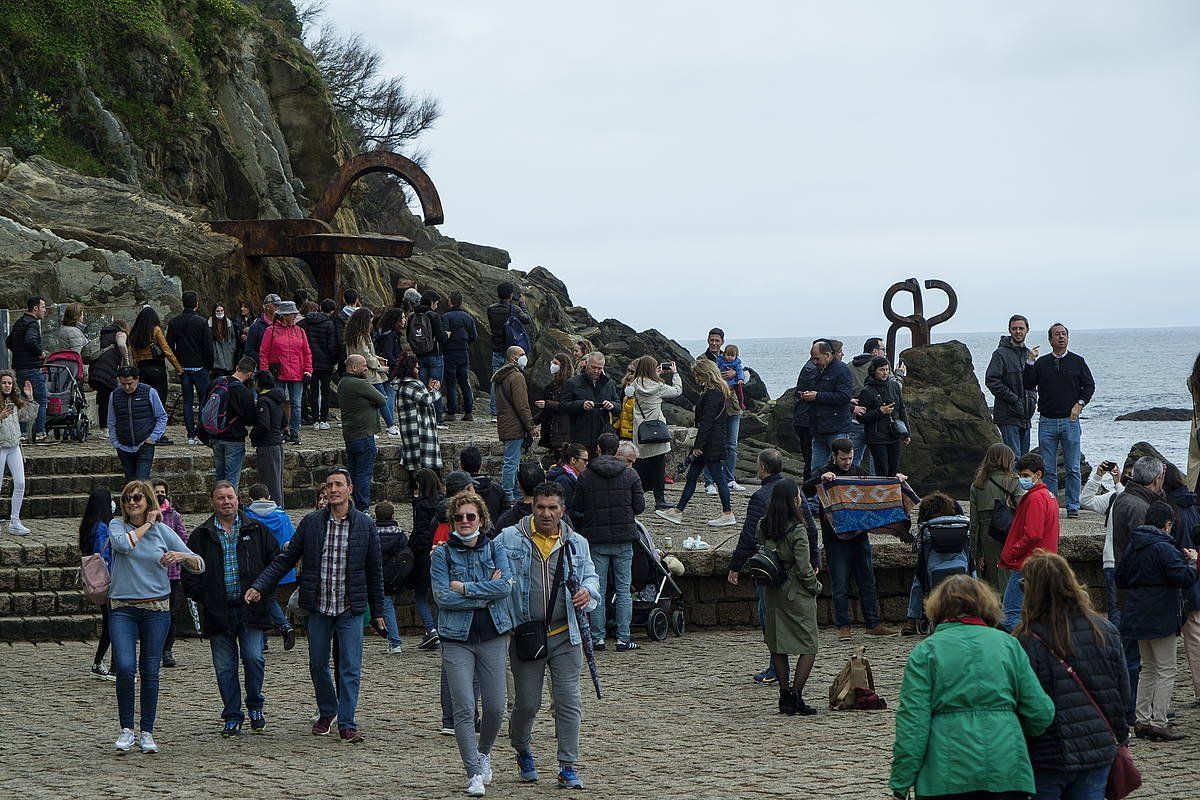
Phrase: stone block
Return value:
(8, 580)
(10, 554)
(702, 614)
(5, 604)
(12, 629)
(33, 553)
(893, 609)
(737, 613)
(745, 590)
(22, 604)
(72, 603)
(45, 603)
(29, 580)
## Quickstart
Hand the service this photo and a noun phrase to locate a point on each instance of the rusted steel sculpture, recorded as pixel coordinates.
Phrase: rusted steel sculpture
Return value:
(313, 238)
(916, 321)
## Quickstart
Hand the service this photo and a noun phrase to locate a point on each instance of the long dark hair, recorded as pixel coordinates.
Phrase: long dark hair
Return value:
(429, 486)
(143, 328)
(781, 511)
(220, 327)
(98, 509)
(358, 327)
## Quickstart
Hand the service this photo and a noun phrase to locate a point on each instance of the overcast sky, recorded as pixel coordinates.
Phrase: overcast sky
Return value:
(772, 167)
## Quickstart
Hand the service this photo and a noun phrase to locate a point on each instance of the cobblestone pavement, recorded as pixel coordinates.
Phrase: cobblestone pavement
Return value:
(679, 719)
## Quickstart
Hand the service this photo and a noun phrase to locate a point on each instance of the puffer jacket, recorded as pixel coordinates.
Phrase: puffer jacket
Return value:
(830, 412)
(322, 340)
(1155, 575)
(10, 426)
(513, 417)
(364, 563)
(805, 381)
(625, 421)
(287, 346)
(608, 498)
(712, 428)
(1005, 380)
(876, 425)
(568, 481)
(1079, 738)
(587, 426)
(268, 424)
(1186, 532)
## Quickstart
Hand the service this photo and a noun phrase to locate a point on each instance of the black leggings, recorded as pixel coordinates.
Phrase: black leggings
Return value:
(653, 472)
(317, 394)
(102, 648)
(886, 457)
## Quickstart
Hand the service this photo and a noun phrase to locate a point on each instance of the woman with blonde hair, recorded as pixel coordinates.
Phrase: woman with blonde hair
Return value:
(70, 333)
(582, 349)
(16, 407)
(968, 701)
(143, 548)
(708, 451)
(1079, 660)
(995, 480)
(650, 386)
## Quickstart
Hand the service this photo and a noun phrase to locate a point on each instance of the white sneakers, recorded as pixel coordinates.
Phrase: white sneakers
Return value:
(394, 431)
(193, 440)
(17, 529)
(475, 786)
(395, 650)
(670, 515)
(710, 489)
(322, 426)
(125, 741)
(147, 743)
(695, 543)
(734, 486)
(485, 766)
(723, 520)
(441, 426)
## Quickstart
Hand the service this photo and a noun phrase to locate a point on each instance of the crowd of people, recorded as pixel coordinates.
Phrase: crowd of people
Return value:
(1050, 689)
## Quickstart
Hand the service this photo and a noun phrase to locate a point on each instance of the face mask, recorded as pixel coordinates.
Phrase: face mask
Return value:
(467, 540)
(1026, 483)
(220, 315)
(554, 367)
(112, 504)
(523, 361)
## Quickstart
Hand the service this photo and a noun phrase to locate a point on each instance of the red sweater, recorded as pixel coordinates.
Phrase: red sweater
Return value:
(1035, 524)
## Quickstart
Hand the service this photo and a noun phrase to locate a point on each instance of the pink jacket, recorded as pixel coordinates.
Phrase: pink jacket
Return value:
(287, 346)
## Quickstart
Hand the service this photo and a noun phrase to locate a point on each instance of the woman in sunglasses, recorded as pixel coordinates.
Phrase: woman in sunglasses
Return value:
(472, 584)
(143, 548)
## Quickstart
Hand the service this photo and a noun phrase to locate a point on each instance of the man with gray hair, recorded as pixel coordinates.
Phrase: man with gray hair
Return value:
(627, 451)
(590, 399)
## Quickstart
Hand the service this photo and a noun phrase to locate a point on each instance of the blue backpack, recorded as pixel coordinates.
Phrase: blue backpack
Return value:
(514, 333)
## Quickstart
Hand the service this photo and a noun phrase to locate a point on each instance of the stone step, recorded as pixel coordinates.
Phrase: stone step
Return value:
(46, 578)
(44, 628)
(30, 552)
(63, 602)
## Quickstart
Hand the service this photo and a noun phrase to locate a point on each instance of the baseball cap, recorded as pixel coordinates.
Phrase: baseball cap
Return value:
(273, 299)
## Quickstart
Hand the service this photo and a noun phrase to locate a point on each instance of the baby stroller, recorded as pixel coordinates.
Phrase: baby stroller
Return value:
(657, 599)
(943, 546)
(65, 404)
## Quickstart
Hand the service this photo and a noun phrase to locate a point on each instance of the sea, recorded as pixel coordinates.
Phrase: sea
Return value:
(1134, 369)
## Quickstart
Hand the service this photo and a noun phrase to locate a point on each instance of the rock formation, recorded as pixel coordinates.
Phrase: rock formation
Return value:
(1158, 414)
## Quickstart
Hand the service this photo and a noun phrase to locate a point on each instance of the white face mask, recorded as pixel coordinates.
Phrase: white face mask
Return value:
(523, 361)
(220, 315)
(467, 540)
(554, 367)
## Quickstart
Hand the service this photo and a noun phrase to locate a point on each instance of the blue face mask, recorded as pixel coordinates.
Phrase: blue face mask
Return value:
(1026, 483)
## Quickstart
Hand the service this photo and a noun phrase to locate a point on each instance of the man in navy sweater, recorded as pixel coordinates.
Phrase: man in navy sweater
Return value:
(1065, 385)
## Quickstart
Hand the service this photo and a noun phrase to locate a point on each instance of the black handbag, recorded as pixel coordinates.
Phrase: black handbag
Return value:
(529, 638)
(1002, 516)
(765, 567)
(900, 428)
(651, 431)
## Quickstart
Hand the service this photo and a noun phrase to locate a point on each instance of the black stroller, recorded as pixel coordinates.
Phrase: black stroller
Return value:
(657, 599)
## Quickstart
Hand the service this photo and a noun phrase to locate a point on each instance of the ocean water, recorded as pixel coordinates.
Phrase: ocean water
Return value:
(1134, 369)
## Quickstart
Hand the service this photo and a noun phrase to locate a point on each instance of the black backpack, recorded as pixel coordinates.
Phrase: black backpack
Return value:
(397, 562)
(421, 333)
(765, 567)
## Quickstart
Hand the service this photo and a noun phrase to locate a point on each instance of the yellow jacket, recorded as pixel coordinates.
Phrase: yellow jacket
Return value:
(625, 422)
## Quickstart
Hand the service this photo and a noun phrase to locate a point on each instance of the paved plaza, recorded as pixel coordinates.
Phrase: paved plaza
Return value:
(678, 719)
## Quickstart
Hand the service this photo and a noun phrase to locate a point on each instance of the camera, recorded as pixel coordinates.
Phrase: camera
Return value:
(665, 366)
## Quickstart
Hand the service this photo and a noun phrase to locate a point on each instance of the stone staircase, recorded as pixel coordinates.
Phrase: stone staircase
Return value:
(39, 595)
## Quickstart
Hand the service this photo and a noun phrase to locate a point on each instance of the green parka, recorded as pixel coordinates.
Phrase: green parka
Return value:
(968, 700)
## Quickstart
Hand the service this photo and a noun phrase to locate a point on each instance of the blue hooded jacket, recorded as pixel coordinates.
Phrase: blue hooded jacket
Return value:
(276, 520)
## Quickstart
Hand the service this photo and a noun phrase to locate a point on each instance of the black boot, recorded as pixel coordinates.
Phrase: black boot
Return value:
(787, 700)
(803, 708)
(660, 500)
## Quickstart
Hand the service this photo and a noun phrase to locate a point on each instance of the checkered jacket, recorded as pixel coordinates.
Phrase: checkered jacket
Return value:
(417, 420)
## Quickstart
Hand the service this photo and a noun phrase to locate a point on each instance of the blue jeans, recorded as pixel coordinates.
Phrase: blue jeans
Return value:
(349, 628)
(360, 461)
(228, 458)
(34, 376)
(137, 465)
(1053, 784)
(497, 363)
(432, 367)
(421, 601)
(388, 412)
(192, 382)
(127, 627)
(389, 619)
(458, 372)
(1051, 434)
(1133, 665)
(762, 623)
(1014, 600)
(845, 558)
(822, 452)
(620, 558)
(508, 472)
(735, 427)
(295, 392)
(277, 616)
(858, 435)
(246, 643)
(1016, 437)
(1110, 597)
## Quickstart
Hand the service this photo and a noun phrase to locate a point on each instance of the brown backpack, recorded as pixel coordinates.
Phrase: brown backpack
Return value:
(856, 674)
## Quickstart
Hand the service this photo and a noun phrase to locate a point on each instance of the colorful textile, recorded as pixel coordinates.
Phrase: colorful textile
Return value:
(854, 505)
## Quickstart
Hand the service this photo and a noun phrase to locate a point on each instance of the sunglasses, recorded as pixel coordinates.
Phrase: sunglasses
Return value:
(133, 498)
(465, 517)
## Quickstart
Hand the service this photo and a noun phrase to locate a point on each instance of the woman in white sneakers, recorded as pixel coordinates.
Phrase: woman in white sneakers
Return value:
(139, 600)
(16, 407)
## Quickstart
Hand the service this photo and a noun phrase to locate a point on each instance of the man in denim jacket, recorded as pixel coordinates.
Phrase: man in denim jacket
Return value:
(535, 547)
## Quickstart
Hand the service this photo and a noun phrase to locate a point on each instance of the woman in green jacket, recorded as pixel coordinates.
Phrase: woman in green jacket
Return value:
(994, 480)
(968, 701)
(791, 608)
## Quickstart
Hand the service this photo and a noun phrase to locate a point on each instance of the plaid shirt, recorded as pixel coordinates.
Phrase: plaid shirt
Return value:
(417, 420)
(233, 583)
(332, 598)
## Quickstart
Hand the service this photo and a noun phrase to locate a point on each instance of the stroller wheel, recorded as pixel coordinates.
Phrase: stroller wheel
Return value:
(923, 627)
(678, 623)
(657, 624)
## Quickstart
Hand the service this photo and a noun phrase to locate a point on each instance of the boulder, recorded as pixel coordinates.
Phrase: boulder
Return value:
(1158, 414)
(755, 389)
(1140, 449)
(779, 425)
(948, 418)
(1085, 472)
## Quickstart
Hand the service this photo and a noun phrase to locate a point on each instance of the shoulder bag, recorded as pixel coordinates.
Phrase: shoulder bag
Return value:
(651, 431)
(1002, 515)
(1123, 778)
(530, 638)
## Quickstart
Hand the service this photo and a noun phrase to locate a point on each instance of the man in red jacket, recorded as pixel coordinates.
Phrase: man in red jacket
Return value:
(1035, 526)
(285, 352)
